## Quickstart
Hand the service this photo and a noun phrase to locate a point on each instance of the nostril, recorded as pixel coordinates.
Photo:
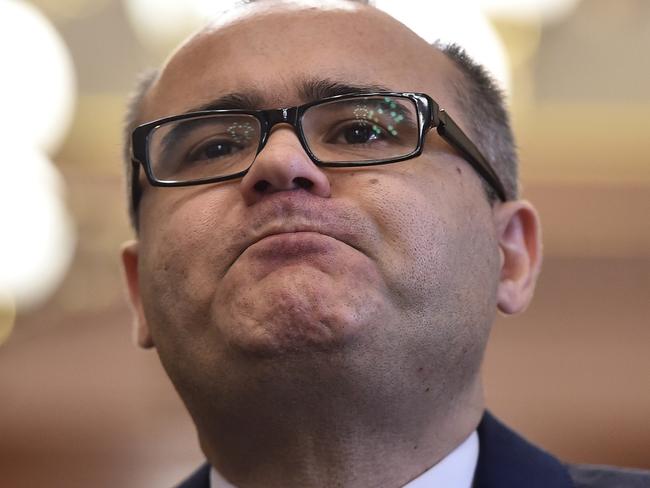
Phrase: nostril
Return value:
(304, 183)
(261, 186)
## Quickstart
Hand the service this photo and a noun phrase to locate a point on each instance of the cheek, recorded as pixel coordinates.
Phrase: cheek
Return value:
(440, 262)
(185, 254)
(438, 248)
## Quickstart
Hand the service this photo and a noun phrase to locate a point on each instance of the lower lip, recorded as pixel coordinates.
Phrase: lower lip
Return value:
(292, 245)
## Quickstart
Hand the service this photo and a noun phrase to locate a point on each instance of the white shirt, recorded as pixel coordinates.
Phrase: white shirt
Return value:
(456, 470)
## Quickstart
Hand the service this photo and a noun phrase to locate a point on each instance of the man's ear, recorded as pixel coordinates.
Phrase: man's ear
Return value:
(520, 246)
(141, 333)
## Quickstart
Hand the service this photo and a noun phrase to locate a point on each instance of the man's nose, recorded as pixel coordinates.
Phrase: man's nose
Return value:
(283, 165)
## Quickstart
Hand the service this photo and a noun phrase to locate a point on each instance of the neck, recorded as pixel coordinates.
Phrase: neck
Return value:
(335, 433)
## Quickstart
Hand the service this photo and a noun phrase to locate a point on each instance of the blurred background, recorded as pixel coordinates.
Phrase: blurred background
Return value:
(82, 406)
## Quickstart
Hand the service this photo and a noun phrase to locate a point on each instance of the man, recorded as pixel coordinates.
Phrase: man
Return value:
(327, 219)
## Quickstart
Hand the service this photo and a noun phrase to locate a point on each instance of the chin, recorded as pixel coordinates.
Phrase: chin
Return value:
(302, 315)
(286, 331)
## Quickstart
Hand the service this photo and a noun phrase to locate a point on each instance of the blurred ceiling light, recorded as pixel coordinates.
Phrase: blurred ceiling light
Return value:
(37, 234)
(162, 24)
(37, 87)
(528, 10)
(37, 92)
(70, 9)
(460, 22)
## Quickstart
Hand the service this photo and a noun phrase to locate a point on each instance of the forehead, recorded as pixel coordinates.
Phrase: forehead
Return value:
(272, 52)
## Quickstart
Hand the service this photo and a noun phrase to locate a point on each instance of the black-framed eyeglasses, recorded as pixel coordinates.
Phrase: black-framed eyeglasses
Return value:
(361, 129)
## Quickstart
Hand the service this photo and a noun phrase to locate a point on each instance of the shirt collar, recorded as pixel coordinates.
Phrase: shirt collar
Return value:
(456, 470)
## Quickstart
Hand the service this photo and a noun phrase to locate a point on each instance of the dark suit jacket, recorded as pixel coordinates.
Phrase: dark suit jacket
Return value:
(506, 460)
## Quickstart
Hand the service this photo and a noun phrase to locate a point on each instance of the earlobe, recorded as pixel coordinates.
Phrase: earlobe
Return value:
(141, 333)
(519, 235)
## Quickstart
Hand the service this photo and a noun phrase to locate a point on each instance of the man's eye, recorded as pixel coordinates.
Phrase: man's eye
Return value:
(359, 133)
(213, 150)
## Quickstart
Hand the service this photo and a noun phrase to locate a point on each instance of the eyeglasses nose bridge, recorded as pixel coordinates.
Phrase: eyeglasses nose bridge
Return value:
(277, 116)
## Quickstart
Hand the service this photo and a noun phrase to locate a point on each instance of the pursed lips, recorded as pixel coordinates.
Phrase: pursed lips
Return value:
(297, 212)
(285, 228)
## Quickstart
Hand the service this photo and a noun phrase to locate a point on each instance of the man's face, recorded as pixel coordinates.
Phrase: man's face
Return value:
(388, 270)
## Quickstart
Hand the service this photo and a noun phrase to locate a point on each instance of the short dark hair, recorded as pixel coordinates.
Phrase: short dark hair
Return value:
(131, 118)
(477, 94)
(484, 106)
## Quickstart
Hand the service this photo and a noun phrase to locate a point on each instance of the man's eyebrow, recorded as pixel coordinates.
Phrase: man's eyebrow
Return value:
(309, 90)
(314, 89)
(233, 101)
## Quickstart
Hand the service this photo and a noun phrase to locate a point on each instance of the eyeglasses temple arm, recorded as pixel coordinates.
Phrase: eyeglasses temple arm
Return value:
(136, 190)
(452, 133)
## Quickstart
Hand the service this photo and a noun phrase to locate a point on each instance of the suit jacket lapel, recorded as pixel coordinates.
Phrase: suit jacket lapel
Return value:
(199, 479)
(506, 460)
